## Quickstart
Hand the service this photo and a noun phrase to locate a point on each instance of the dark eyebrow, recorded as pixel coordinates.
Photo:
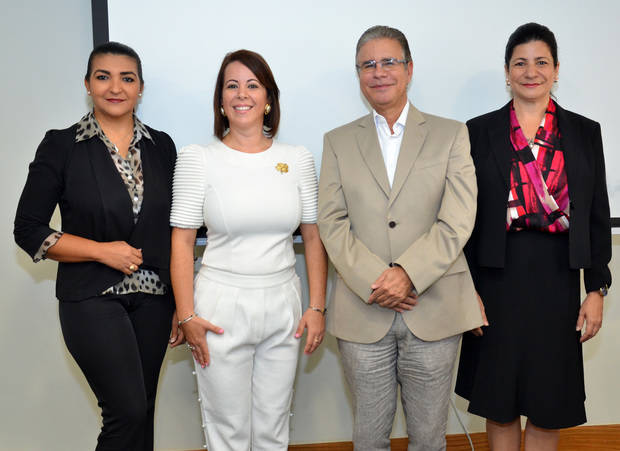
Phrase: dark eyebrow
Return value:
(107, 72)
(536, 58)
(236, 81)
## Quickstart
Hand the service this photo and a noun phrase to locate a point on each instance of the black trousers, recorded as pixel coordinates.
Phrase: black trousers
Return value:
(119, 342)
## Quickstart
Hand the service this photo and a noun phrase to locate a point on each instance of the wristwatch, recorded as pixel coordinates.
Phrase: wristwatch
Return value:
(603, 290)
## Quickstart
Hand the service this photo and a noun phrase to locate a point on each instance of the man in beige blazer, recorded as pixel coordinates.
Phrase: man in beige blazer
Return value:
(397, 202)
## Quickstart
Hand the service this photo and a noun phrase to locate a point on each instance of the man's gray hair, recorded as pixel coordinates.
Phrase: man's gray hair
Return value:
(384, 32)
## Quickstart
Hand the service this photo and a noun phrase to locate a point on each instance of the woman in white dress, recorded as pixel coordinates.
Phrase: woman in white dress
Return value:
(251, 192)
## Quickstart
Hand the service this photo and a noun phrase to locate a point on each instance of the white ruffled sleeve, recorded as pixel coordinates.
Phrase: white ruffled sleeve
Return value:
(188, 189)
(308, 187)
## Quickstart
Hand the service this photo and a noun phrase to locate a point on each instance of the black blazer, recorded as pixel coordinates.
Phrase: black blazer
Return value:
(590, 226)
(94, 203)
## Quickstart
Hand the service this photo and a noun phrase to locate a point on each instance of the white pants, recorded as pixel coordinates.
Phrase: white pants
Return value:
(245, 392)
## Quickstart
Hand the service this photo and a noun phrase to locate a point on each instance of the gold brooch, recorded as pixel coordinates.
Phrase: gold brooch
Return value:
(282, 168)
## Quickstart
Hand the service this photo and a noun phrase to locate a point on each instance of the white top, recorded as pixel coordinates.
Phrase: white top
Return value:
(390, 142)
(251, 203)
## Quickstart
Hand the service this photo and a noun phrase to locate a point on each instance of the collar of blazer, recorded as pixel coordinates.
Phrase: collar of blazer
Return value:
(499, 139)
(575, 147)
(571, 141)
(413, 139)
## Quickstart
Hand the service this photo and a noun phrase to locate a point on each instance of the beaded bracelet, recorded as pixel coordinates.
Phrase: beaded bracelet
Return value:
(189, 318)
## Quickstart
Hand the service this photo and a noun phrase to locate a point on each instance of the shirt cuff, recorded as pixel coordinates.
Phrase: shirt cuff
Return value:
(47, 243)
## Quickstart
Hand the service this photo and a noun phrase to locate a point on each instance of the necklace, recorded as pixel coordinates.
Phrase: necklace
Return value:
(122, 139)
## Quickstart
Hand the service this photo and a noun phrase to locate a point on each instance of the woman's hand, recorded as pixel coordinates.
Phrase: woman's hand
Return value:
(115, 254)
(315, 323)
(195, 332)
(119, 255)
(591, 312)
(177, 337)
(316, 264)
(478, 330)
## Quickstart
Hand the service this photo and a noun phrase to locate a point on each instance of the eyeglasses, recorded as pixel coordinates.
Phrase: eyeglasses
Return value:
(385, 64)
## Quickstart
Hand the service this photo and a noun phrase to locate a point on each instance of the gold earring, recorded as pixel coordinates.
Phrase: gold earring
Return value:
(222, 111)
(267, 109)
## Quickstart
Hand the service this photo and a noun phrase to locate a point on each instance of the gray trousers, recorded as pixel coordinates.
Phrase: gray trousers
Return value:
(423, 369)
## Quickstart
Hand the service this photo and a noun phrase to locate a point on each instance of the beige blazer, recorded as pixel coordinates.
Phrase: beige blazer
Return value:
(421, 223)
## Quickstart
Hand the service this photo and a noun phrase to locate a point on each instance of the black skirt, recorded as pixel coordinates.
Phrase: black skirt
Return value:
(529, 360)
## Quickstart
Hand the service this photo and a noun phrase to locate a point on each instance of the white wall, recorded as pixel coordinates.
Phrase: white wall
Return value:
(43, 398)
(45, 403)
(457, 47)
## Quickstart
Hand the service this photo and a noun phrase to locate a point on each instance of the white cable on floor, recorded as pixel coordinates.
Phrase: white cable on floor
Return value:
(458, 417)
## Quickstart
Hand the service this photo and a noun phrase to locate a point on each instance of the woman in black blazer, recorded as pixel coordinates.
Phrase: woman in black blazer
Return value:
(543, 214)
(111, 176)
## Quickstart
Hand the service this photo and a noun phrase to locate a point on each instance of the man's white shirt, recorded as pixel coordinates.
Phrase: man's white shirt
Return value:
(390, 143)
